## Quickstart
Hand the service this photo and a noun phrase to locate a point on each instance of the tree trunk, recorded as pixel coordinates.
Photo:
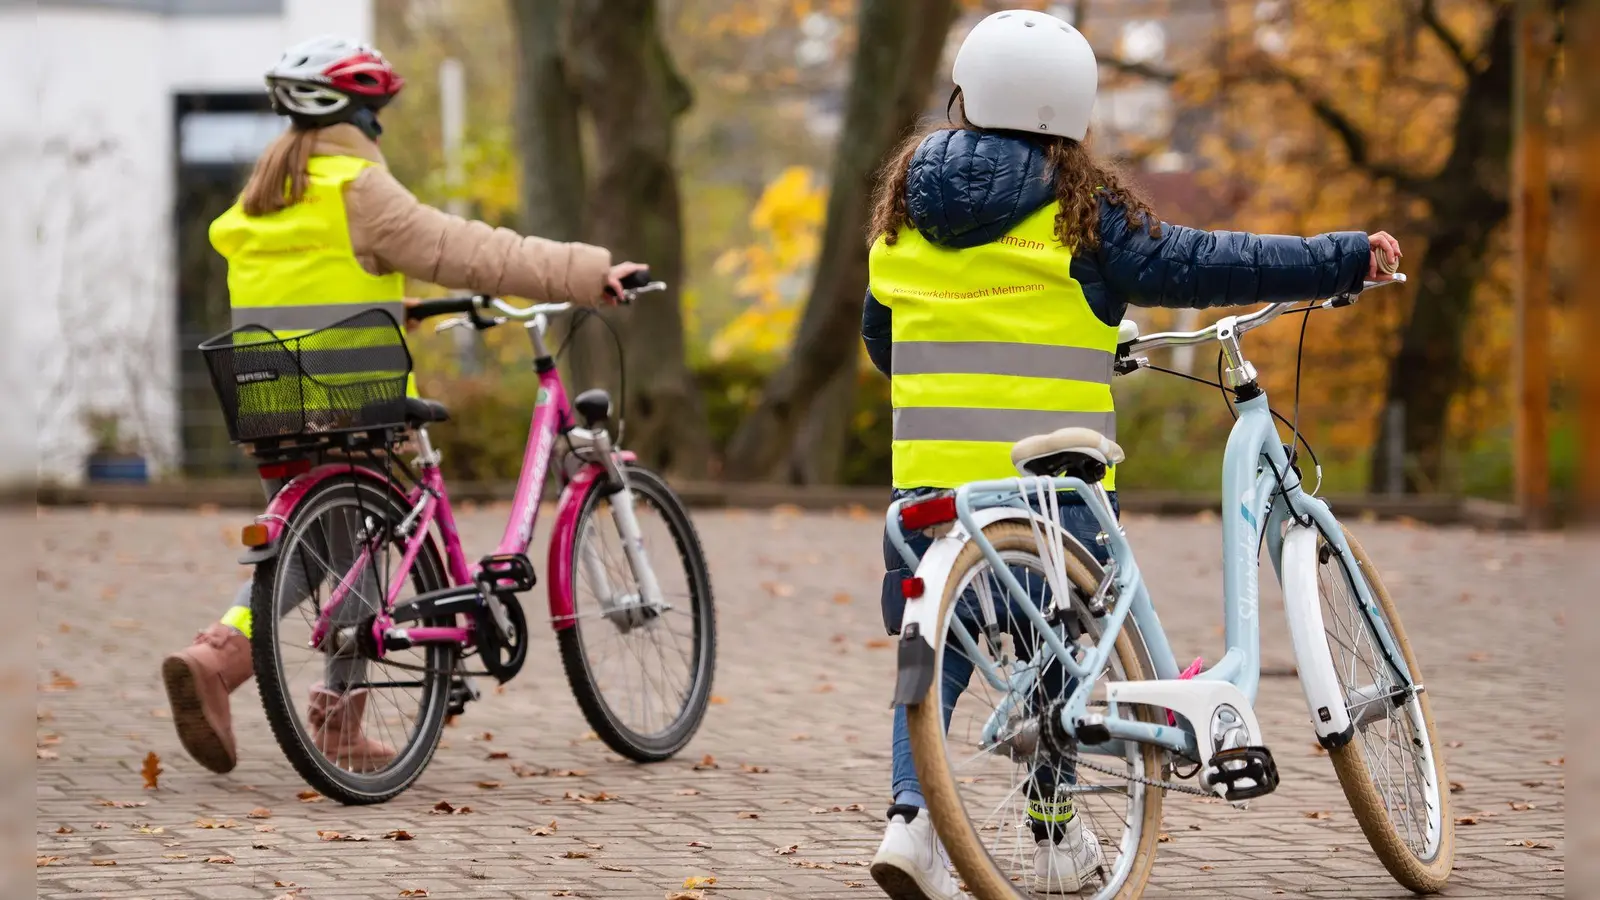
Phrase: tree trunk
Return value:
(547, 123)
(1469, 199)
(634, 97)
(899, 43)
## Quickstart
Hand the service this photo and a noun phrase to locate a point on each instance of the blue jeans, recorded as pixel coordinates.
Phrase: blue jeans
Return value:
(956, 667)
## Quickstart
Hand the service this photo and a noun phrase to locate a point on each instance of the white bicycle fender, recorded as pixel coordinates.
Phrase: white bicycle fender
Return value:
(1303, 609)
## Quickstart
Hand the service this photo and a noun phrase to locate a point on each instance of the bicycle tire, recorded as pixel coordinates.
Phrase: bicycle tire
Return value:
(982, 876)
(1418, 874)
(580, 670)
(281, 704)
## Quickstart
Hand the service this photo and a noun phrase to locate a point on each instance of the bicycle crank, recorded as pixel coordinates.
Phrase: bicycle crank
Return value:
(502, 648)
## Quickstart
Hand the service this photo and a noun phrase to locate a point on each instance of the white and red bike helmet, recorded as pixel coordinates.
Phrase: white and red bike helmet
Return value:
(328, 79)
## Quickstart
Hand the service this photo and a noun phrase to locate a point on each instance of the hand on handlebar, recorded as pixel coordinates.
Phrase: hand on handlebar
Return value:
(615, 289)
(1384, 260)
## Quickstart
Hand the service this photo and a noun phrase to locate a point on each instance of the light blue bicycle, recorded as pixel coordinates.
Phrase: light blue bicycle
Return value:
(1076, 704)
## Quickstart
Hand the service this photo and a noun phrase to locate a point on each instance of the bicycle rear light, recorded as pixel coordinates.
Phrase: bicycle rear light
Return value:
(289, 469)
(936, 510)
(911, 588)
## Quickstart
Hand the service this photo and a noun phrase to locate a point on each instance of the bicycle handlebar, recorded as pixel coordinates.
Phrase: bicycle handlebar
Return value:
(1241, 324)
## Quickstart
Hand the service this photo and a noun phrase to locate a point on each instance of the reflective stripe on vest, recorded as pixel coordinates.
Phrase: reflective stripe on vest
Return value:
(295, 271)
(991, 344)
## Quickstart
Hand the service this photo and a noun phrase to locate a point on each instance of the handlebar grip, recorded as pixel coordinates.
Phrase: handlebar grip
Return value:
(637, 280)
(445, 306)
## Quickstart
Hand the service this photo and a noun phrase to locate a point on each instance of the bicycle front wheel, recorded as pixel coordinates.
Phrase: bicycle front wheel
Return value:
(1000, 797)
(1392, 771)
(639, 666)
(357, 728)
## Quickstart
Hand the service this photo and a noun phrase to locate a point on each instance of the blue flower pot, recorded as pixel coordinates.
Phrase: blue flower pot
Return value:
(120, 469)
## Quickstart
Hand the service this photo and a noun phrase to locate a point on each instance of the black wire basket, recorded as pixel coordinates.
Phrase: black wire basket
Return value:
(350, 376)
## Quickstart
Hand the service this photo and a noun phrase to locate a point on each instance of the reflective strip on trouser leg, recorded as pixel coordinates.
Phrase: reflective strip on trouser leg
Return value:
(1051, 812)
(238, 618)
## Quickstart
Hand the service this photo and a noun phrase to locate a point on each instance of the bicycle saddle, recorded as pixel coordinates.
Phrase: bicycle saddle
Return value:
(421, 412)
(1080, 452)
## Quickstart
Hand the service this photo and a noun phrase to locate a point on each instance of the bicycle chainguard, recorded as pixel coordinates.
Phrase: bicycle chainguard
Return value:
(507, 573)
(1242, 773)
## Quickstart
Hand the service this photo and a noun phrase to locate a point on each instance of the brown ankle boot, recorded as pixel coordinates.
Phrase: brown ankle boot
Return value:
(335, 722)
(199, 680)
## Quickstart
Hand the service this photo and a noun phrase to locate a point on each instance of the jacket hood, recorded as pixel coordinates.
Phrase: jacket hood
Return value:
(967, 188)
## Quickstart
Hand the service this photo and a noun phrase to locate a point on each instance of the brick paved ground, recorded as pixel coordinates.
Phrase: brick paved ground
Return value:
(802, 691)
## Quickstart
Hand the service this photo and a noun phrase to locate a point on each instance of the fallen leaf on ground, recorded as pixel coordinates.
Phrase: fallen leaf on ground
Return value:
(1530, 844)
(123, 804)
(213, 823)
(879, 644)
(787, 851)
(718, 700)
(749, 815)
(601, 797)
(102, 825)
(1457, 787)
(778, 588)
(679, 895)
(484, 736)
(151, 771)
(543, 830)
(444, 807)
(1453, 745)
(686, 792)
(1318, 814)
(706, 762)
(522, 771)
(60, 682)
(103, 862)
(498, 754)
(561, 893)
(808, 864)
(1164, 838)
(1479, 656)
(854, 884)
(266, 829)
(174, 856)
(700, 845)
(309, 797)
(695, 882)
(1207, 868)
(414, 892)
(488, 785)
(399, 834)
(1559, 761)
(329, 835)
(569, 773)
(1466, 820)
(610, 868)
(46, 755)
(1521, 805)
(151, 829)
(39, 861)
(842, 598)
(575, 854)
(260, 812)
(223, 860)
(65, 829)
(754, 770)
(824, 689)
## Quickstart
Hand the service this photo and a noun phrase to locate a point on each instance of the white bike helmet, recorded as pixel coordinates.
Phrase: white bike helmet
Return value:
(331, 79)
(1027, 71)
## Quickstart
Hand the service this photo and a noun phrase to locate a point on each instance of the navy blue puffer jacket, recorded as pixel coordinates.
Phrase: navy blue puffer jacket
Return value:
(967, 188)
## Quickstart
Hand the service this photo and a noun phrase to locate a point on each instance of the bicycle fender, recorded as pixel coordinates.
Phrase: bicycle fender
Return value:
(568, 506)
(921, 632)
(283, 503)
(1303, 610)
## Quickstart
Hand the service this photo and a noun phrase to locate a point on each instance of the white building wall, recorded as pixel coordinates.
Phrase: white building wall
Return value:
(95, 320)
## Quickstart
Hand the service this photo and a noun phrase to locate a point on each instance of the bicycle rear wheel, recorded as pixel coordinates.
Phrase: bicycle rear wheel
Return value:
(1392, 771)
(357, 729)
(979, 796)
(641, 672)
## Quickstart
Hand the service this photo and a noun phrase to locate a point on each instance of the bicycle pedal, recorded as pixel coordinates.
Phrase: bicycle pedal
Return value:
(507, 572)
(461, 693)
(1243, 773)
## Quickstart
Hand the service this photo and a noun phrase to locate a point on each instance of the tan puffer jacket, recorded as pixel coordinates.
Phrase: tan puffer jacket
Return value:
(392, 231)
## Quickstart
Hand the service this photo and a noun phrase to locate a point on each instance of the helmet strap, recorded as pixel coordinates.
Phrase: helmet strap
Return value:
(367, 120)
(951, 104)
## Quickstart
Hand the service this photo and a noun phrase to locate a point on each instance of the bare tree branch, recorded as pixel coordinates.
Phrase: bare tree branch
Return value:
(1428, 12)
(1139, 69)
(1354, 139)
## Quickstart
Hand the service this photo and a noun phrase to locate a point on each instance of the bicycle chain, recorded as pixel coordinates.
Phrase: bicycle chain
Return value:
(1140, 779)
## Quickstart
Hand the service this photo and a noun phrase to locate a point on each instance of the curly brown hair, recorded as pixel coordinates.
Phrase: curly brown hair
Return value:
(1079, 179)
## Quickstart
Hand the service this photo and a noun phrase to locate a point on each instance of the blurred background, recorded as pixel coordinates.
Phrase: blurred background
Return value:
(732, 144)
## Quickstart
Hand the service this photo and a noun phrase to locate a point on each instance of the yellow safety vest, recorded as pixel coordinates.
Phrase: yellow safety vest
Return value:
(294, 271)
(991, 344)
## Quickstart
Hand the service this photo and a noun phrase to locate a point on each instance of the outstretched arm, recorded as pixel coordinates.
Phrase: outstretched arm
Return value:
(392, 231)
(1190, 268)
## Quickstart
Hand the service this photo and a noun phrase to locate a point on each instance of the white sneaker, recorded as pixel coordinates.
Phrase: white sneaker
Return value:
(1065, 867)
(911, 864)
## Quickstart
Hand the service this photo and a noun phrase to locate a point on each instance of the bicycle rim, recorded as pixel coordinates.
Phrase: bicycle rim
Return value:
(992, 790)
(1394, 743)
(357, 728)
(646, 669)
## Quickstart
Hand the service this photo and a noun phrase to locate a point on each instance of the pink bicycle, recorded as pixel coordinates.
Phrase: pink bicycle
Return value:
(367, 615)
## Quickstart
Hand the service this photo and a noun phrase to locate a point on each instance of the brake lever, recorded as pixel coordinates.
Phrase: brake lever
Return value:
(631, 294)
(451, 323)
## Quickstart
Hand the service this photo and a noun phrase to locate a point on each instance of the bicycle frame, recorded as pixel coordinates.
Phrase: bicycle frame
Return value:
(1262, 495)
(429, 503)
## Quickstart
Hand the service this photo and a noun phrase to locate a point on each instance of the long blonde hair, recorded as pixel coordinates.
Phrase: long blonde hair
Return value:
(279, 178)
(1078, 177)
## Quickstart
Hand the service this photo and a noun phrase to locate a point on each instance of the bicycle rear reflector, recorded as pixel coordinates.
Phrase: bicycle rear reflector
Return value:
(935, 510)
(254, 535)
(911, 588)
(289, 469)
